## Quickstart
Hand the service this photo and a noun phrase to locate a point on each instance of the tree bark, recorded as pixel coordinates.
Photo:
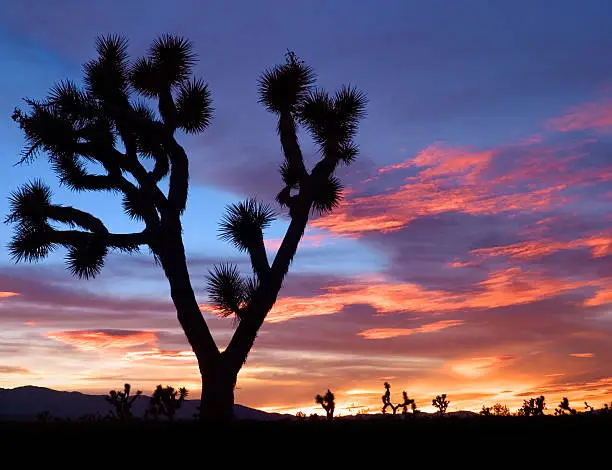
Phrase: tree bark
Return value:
(217, 400)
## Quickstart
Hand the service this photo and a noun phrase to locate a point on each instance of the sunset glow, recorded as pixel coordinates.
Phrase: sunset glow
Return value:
(470, 254)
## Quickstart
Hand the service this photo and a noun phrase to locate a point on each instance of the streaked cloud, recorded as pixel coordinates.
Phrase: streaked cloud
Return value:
(104, 339)
(386, 333)
(594, 115)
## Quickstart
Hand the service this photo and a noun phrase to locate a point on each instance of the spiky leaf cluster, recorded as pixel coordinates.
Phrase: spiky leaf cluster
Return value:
(244, 222)
(228, 291)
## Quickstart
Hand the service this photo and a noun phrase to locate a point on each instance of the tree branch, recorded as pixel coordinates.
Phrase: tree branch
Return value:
(71, 216)
(179, 175)
(289, 142)
(259, 259)
(121, 241)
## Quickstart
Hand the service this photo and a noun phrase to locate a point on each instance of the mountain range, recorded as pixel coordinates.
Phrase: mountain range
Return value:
(26, 403)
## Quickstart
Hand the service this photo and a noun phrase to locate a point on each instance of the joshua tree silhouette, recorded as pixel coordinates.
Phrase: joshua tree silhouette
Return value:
(441, 403)
(166, 401)
(533, 407)
(328, 403)
(104, 125)
(386, 399)
(564, 407)
(122, 401)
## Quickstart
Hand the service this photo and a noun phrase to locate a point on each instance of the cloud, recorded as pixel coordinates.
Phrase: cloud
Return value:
(5, 295)
(13, 370)
(160, 355)
(502, 288)
(582, 355)
(600, 246)
(479, 366)
(449, 179)
(104, 339)
(595, 115)
(386, 333)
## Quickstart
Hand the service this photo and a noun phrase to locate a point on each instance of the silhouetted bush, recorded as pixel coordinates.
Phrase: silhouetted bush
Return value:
(328, 403)
(441, 403)
(533, 407)
(165, 401)
(122, 401)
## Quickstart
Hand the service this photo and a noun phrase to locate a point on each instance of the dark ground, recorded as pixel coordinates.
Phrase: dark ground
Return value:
(520, 441)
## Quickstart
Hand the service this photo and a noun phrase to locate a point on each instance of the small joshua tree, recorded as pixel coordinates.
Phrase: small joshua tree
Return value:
(122, 401)
(386, 399)
(406, 403)
(500, 410)
(166, 401)
(588, 408)
(328, 403)
(533, 407)
(441, 403)
(486, 411)
(564, 408)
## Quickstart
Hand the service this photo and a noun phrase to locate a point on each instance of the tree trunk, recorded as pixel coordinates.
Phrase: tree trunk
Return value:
(217, 401)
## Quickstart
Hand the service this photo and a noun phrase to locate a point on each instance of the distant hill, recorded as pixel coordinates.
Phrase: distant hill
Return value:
(24, 403)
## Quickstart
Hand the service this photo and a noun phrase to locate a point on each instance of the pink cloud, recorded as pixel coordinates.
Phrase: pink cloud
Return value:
(595, 115)
(386, 333)
(96, 340)
(583, 355)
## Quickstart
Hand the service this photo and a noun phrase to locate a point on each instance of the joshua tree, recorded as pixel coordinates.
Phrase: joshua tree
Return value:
(328, 403)
(166, 401)
(564, 407)
(500, 410)
(413, 407)
(486, 411)
(406, 403)
(122, 401)
(386, 399)
(588, 408)
(533, 407)
(441, 403)
(105, 126)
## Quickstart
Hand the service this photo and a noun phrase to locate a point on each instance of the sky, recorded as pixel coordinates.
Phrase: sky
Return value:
(471, 255)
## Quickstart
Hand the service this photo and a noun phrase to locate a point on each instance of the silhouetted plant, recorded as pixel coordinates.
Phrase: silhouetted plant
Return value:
(607, 409)
(328, 402)
(500, 410)
(588, 408)
(441, 403)
(300, 416)
(166, 401)
(485, 411)
(533, 407)
(386, 399)
(122, 401)
(564, 408)
(314, 417)
(406, 403)
(105, 125)
(414, 408)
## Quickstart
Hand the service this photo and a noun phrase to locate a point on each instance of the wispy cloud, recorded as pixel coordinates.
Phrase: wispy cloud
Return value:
(104, 339)
(386, 333)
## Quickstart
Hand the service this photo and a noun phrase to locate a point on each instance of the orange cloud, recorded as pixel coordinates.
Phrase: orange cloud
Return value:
(582, 355)
(600, 246)
(479, 366)
(95, 340)
(5, 295)
(503, 288)
(385, 333)
(602, 296)
(160, 355)
(596, 115)
(449, 179)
